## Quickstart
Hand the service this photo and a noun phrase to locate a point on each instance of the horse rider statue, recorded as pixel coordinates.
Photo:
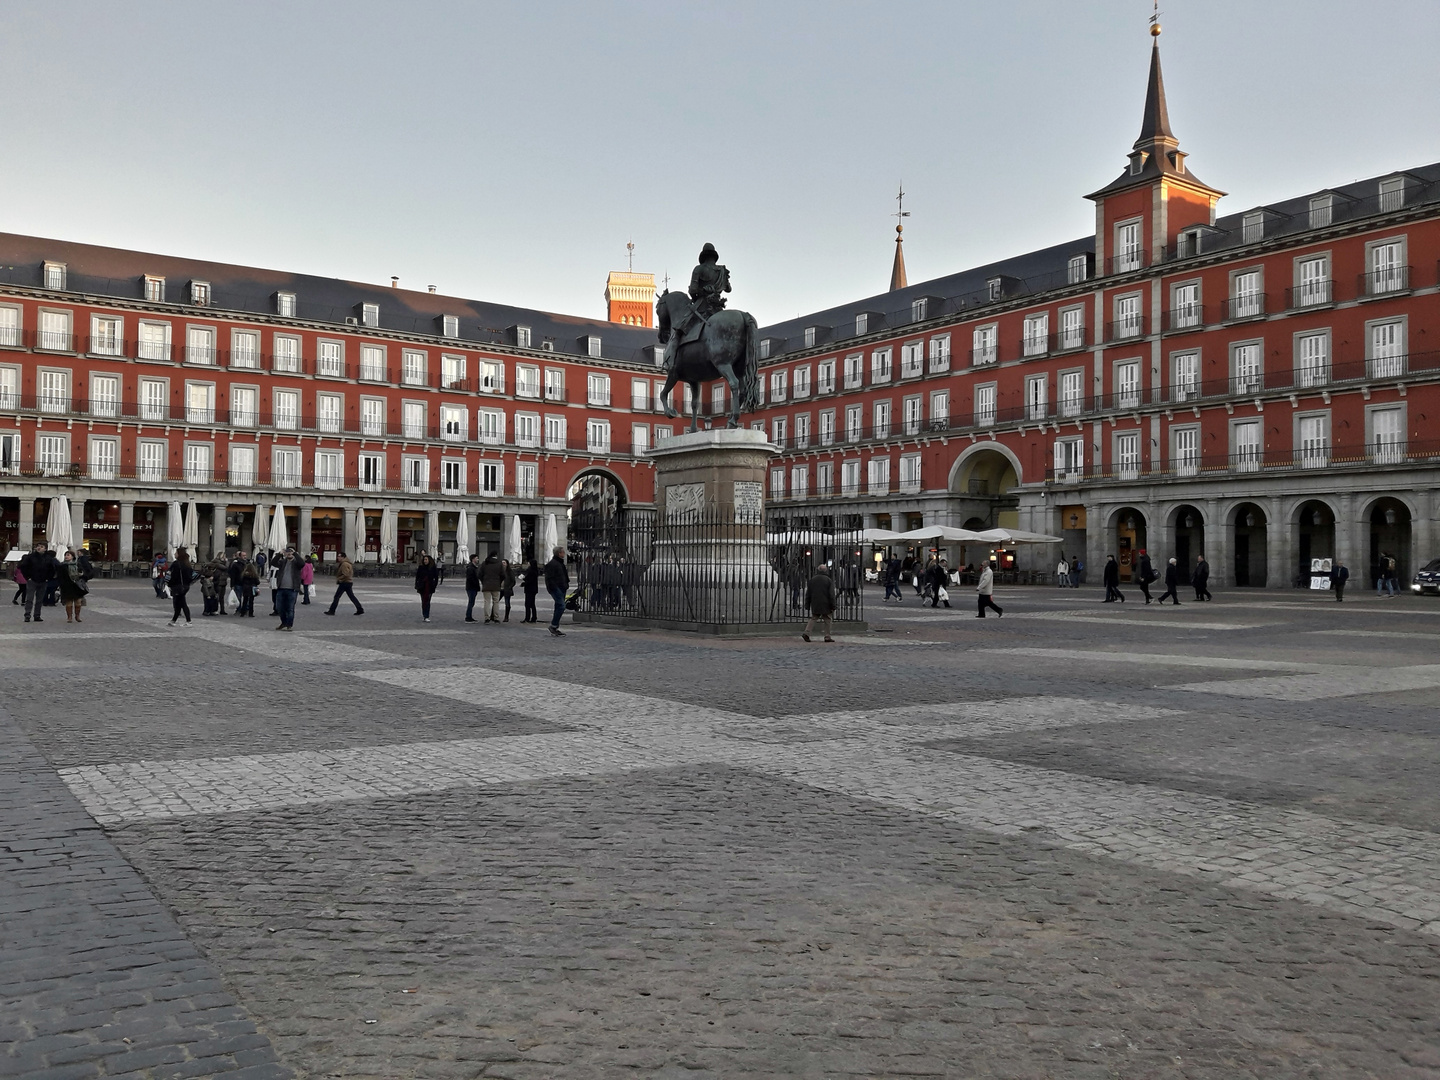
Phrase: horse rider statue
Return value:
(709, 282)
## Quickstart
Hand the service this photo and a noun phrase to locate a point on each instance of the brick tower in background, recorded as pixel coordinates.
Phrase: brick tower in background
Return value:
(630, 297)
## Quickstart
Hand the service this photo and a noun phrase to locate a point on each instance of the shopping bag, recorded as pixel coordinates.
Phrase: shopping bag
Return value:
(944, 595)
(310, 592)
(231, 600)
(165, 591)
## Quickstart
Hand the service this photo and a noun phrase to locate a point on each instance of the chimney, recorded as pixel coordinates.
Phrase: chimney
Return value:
(431, 288)
(394, 282)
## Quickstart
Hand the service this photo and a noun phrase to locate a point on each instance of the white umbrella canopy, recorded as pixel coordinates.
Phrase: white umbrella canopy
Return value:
(387, 535)
(512, 541)
(1017, 536)
(260, 529)
(941, 532)
(58, 528)
(462, 538)
(191, 535)
(174, 528)
(549, 539)
(359, 530)
(278, 537)
(880, 536)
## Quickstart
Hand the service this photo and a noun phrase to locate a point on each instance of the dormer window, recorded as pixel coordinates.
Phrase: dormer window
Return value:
(592, 346)
(154, 288)
(55, 275)
(764, 348)
(200, 293)
(918, 307)
(370, 314)
(449, 326)
(1076, 269)
(992, 288)
(285, 304)
(1252, 227)
(521, 335)
(809, 337)
(1322, 207)
(862, 323)
(1187, 243)
(1392, 194)
(1137, 162)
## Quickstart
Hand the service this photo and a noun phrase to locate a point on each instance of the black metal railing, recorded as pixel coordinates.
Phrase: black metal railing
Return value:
(1245, 306)
(1386, 282)
(1371, 454)
(1310, 294)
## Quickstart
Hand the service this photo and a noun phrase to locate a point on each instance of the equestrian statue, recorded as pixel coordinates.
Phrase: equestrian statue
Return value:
(704, 342)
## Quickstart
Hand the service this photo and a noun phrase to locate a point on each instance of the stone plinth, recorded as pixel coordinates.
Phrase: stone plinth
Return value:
(713, 475)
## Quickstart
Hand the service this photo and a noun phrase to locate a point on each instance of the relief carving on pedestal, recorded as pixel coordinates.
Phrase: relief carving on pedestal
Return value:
(684, 502)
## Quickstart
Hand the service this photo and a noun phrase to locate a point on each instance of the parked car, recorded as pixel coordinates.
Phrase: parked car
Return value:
(1427, 578)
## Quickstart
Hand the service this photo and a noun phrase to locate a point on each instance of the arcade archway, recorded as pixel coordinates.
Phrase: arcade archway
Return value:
(1128, 535)
(1314, 536)
(1250, 546)
(1389, 536)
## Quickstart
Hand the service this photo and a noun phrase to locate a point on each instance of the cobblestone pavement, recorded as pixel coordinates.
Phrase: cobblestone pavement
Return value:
(1078, 841)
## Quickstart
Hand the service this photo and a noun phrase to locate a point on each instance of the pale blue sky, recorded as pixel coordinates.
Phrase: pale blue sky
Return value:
(508, 151)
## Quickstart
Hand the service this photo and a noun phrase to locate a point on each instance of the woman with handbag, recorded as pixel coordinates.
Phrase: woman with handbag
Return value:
(72, 587)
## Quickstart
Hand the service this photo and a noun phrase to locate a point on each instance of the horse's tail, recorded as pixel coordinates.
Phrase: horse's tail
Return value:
(750, 374)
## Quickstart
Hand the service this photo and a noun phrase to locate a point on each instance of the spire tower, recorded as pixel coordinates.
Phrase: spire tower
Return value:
(897, 271)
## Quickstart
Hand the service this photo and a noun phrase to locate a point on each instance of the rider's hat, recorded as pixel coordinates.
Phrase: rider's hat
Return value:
(709, 254)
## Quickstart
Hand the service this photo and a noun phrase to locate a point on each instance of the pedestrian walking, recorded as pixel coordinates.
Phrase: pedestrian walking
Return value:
(472, 585)
(1201, 579)
(1145, 574)
(219, 571)
(38, 567)
(19, 580)
(427, 580)
(985, 593)
(939, 579)
(179, 578)
(507, 587)
(820, 599)
(892, 580)
(1077, 572)
(1062, 572)
(1112, 581)
(159, 570)
(1172, 582)
(1339, 575)
(73, 587)
(1386, 576)
(492, 578)
(557, 580)
(307, 579)
(286, 569)
(530, 586)
(249, 584)
(344, 585)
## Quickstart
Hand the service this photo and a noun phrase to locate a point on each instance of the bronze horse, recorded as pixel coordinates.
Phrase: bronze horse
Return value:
(728, 348)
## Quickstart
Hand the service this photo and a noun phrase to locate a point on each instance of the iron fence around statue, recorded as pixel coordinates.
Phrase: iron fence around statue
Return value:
(703, 570)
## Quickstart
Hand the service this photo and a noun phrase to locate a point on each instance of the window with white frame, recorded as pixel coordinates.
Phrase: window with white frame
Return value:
(1185, 450)
(1387, 434)
(1036, 340)
(854, 423)
(911, 416)
(993, 288)
(412, 420)
(527, 380)
(825, 478)
(200, 345)
(640, 395)
(288, 468)
(1072, 328)
(1185, 377)
(1187, 243)
(597, 389)
(527, 429)
(1387, 269)
(415, 474)
(827, 427)
(450, 327)
(802, 431)
(918, 308)
(103, 458)
(777, 385)
(1246, 445)
(285, 404)
(527, 479)
(662, 432)
(717, 399)
(881, 415)
(850, 478)
(985, 405)
(372, 363)
(940, 410)
(452, 372)
(1246, 300)
(1313, 276)
(554, 432)
(879, 476)
(154, 289)
(862, 323)
(810, 337)
(1127, 246)
(940, 353)
(1127, 384)
(825, 377)
(779, 430)
(1252, 227)
(592, 346)
(982, 344)
(107, 335)
(1321, 209)
(454, 419)
(54, 389)
(1036, 396)
(1392, 194)
(799, 481)
(912, 359)
(909, 473)
(244, 349)
(151, 458)
(244, 464)
(1069, 458)
(777, 483)
(244, 406)
(372, 474)
(369, 314)
(52, 453)
(154, 341)
(1128, 323)
(330, 359)
(854, 370)
(1185, 305)
(1313, 440)
(412, 367)
(880, 366)
(199, 403)
(639, 438)
(597, 436)
(54, 331)
(1387, 349)
(490, 426)
(9, 453)
(10, 326)
(10, 388)
(329, 412)
(104, 394)
(764, 348)
(1077, 269)
(801, 387)
(372, 416)
(554, 384)
(1127, 454)
(452, 476)
(1072, 393)
(1245, 369)
(492, 375)
(200, 293)
(285, 305)
(329, 469)
(55, 275)
(287, 353)
(1312, 359)
(492, 478)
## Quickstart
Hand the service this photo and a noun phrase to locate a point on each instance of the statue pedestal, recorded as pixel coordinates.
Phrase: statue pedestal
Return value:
(716, 475)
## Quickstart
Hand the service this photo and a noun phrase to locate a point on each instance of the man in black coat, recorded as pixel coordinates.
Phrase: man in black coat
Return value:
(472, 585)
(1172, 582)
(1112, 581)
(530, 584)
(1201, 579)
(557, 581)
(939, 579)
(39, 568)
(1147, 574)
(820, 597)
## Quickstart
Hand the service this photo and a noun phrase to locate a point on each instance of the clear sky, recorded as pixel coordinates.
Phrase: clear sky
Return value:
(508, 151)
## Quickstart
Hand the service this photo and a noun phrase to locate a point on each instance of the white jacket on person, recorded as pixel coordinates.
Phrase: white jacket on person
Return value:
(986, 586)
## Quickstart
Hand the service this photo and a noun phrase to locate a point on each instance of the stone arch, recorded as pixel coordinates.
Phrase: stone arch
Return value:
(1312, 522)
(608, 475)
(1127, 532)
(1247, 525)
(1188, 532)
(973, 461)
(1387, 520)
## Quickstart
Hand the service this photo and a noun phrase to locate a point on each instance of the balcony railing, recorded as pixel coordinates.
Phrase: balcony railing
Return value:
(1126, 329)
(1375, 453)
(1245, 306)
(1127, 261)
(1311, 294)
(1184, 317)
(1386, 282)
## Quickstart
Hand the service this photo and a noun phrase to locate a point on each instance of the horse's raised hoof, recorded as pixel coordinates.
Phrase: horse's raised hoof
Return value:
(732, 424)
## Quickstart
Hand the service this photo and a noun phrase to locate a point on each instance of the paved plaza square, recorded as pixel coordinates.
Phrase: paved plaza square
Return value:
(1081, 840)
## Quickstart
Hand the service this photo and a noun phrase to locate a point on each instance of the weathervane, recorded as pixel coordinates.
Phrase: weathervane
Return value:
(1155, 19)
(900, 211)
(630, 250)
